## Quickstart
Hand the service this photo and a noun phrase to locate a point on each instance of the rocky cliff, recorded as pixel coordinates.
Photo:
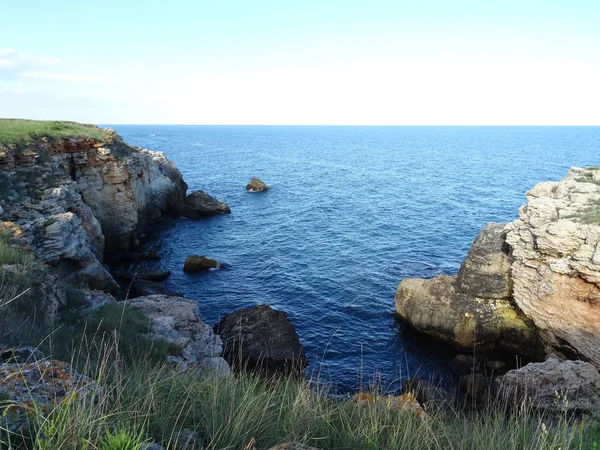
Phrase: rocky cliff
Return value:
(531, 286)
(70, 200)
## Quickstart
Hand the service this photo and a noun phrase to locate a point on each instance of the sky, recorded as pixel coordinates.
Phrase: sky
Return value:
(327, 62)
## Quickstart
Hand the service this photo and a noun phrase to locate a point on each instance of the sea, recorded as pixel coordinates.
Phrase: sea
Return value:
(351, 211)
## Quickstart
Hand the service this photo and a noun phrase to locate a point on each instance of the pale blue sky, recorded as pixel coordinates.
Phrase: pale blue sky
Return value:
(302, 62)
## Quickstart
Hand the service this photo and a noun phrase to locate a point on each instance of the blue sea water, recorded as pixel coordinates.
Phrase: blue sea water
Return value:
(351, 212)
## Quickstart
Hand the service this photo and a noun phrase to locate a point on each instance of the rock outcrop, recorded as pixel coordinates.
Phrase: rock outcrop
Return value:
(263, 339)
(535, 280)
(256, 185)
(68, 201)
(200, 204)
(474, 308)
(553, 385)
(177, 320)
(556, 262)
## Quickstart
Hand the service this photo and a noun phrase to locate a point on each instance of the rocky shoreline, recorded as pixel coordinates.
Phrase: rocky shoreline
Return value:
(530, 288)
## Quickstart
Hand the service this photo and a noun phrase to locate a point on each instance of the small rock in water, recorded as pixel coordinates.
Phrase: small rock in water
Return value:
(141, 288)
(195, 263)
(256, 185)
(200, 204)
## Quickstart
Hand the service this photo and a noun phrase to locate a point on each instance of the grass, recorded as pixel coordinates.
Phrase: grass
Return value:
(144, 400)
(21, 131)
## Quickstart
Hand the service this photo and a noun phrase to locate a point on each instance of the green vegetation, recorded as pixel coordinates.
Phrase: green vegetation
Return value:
(591, 215)
(155, 403)
(21, 131)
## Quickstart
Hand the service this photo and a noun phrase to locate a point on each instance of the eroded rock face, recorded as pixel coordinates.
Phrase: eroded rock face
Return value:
(554, 385)
(70, 200)
(177, 320)
(200, 204)
(556, 270)
(261, 338)
(474, 308)
(128, 193)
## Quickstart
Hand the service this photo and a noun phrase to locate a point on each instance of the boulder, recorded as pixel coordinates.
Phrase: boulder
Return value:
(45, 382)
(553, 385)
(426, 393)
(177, 320)
(473, 309)
(22, 354)
(256, 185)
(263, 339)
(200, 204)
(141, 288)
(195, 264)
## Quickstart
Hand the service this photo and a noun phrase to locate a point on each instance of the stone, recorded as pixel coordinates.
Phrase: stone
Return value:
(200, 204)
(141, 288)
(495, 366)
(195, 264)
(188, 439)
(427, 394)
(21, 355)
(473, 310)
(553, 385)
(263, 339)
(150, 275)
(464, 364)
(177, 320)
(256, 185)
(477, 387)
(293, 446)
(45, 382)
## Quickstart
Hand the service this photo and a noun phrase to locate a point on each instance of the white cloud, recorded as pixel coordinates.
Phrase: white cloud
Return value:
(14, 60)
(46, 75)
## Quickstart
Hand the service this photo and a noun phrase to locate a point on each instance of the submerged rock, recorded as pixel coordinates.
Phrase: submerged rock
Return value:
(473, 309)
(263, 339)
(553, 385)
(200, 204)
(195, 264)
(256, 185)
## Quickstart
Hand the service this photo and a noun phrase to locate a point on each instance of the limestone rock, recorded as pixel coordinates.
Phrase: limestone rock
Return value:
(427, 394)
(556, 269)
(473, 309)
(554, 385)
(256, 185)
(195, 264)
(200, 204)
(128, 193)
(177, 320)
(45, 382)
(261, 338)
